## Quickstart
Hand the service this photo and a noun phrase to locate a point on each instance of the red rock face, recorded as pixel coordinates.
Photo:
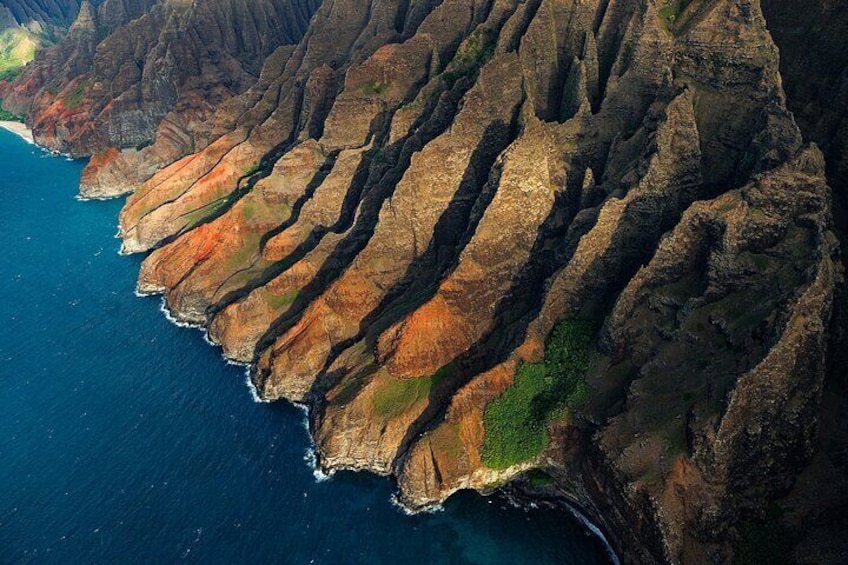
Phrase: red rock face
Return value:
(134, 71)
(390, 221)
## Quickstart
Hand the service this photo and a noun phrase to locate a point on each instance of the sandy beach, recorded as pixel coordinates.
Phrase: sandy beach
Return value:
(18, 129)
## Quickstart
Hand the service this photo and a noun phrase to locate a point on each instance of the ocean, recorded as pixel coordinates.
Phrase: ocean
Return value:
(126, 439)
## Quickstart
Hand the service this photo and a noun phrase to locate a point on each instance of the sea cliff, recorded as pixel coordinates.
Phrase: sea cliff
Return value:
(578, 242)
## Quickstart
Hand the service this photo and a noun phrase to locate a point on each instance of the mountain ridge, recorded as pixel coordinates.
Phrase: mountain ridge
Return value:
(458, 229)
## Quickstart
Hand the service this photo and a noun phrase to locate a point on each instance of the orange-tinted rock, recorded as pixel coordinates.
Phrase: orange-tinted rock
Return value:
(298, 356)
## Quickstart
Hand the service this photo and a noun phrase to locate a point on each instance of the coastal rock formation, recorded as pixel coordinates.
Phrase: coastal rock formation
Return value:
(134, 70)
(581, 241)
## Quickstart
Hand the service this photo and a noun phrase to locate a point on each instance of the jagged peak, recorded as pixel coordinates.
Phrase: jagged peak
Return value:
(86, 20)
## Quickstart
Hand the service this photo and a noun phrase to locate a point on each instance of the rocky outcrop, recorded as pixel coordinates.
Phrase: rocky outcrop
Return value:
(812, 41)
(134, 71)
(487, 238)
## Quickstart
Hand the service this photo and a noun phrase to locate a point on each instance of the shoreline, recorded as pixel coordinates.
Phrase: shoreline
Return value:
(525, 500)
(515, 494)
(19, 129)
(523, 496)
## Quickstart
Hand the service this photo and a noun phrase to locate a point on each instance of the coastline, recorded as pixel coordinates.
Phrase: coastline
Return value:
(19, 129)
(517, 494)
(523, 495)
(511, 494)
(266, 479)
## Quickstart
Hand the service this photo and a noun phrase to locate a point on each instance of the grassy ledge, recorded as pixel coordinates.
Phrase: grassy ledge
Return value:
(6, 116)
(670, 13)
(399, 395)
(516, 423)
(17, 48)
(471, 56)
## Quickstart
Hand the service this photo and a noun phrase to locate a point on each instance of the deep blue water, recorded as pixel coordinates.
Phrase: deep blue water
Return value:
(126, 439)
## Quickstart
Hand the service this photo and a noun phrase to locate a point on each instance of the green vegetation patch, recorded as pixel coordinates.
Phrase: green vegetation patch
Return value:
(539, 478)
(248, 209)
(17, 48)
(375, 87)
(471, 56)
(516, 423)
(245, 254)
(445, 439)
(671, 12)
(256, 210)
(6, 116)
(280, 301)
(674, 434)
(9, 75)
(398, 395)
(75, 97)
(251, 170)
(197, 217)
(350, 386)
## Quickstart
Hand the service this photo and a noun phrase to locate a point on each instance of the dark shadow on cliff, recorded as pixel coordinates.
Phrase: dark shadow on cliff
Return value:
(451, 234)
(387, 167)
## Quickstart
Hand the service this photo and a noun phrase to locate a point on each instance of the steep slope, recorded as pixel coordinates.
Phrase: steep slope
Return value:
(40, 14)
(160, 68)
(583, 238)
(813, 41)
(26, 26)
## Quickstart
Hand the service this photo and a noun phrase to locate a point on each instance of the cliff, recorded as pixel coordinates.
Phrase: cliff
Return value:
(578, 241)
(132, 70)
(26, 26)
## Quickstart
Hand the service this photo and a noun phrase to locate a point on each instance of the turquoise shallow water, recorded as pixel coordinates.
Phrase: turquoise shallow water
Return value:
(125, 439)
